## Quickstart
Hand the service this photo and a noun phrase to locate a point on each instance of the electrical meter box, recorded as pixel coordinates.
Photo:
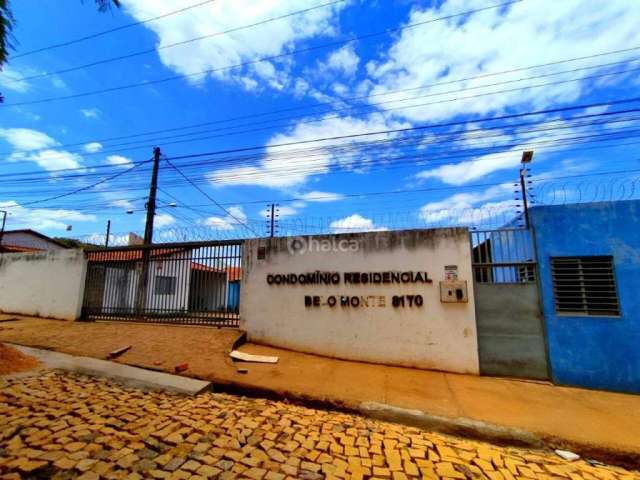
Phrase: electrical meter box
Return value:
(454, 291)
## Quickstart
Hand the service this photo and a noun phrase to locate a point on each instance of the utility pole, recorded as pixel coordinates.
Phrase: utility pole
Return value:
(4, 221)
(106, 238)
(526, 158)
(141, 297)
(151, 203)
(272, 216)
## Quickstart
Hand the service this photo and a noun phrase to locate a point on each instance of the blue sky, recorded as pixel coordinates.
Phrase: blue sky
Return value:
(331, 78)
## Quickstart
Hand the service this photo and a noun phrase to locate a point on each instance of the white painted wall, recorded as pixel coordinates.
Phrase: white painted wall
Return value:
(121, 284)
(435, 336)
(26, 239)
(47, 284)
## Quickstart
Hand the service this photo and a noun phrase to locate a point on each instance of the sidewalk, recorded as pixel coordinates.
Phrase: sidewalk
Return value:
(601, 424)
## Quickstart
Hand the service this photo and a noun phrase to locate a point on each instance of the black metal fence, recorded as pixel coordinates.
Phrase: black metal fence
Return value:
(195, 283)
(503, 256)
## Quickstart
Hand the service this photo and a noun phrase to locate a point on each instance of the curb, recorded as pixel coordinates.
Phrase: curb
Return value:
(465, 427)
(123, 374)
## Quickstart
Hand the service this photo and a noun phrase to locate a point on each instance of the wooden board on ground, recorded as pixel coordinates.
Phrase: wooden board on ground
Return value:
(248, 357)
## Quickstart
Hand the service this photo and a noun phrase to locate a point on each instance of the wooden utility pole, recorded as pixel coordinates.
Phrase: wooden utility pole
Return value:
(141, 297)
(106, 238)
(151, 203)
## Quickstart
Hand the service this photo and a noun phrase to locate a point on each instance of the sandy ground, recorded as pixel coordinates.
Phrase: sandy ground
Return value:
(602, 420)
(13, 361)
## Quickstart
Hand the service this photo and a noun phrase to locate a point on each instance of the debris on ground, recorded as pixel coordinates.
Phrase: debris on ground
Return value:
(567, 455)
(181, 368)
(14, 361)
(242, 370)
(248, 357)
(158, 362)
(118, 352)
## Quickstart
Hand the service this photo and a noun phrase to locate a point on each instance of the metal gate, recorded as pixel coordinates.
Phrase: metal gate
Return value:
(511, 340)
(196, 283)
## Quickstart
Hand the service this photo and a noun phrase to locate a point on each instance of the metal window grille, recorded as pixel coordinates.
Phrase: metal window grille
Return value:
(585, 286)
(503, 256)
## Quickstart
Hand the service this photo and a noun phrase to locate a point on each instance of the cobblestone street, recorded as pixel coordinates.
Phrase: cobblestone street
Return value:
(62, 426)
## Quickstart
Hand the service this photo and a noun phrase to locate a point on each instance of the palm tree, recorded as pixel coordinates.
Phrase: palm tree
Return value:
(7, 21)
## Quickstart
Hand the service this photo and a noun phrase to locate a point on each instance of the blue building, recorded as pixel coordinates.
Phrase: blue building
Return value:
(589, 269)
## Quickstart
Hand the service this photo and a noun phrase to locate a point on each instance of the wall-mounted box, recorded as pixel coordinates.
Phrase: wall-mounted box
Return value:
(454, 291)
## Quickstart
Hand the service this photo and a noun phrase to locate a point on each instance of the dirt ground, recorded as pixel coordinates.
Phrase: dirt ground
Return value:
(160, 347)
(13, 361)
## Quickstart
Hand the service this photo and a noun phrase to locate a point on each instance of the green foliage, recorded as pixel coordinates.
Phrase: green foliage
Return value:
(6, 26)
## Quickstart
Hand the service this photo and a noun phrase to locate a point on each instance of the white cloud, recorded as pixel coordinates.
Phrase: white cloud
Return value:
(50, 160)
(508, 158)
(92, 147)
(242, 46)
(317, 196)
(35, 146)
(354, 223)
(9, 79)
(162, 220)
(26, 138)
(119, 161)
(535, 32)
(91, 112)
(227, 222)
(479, 208)
(280, 168)
(41, 218)
(344, 60)
(124, 204)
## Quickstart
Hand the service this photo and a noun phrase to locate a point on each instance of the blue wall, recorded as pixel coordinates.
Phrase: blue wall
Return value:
(593, 352)
(233, 296)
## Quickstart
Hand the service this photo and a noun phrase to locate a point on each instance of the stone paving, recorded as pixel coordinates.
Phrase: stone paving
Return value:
(55, 425)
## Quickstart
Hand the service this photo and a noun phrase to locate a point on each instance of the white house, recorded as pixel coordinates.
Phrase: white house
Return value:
(175, 282)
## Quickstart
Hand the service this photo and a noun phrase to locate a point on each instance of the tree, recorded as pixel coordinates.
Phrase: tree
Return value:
(7, 22)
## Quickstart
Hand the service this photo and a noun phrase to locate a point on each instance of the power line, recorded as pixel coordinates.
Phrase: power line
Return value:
(262, 59)
(362, 97)
(581, 140)
(78, 190)
(211, 198)
(171, 45)
(106, 32)
(481, 134)
(414, 128)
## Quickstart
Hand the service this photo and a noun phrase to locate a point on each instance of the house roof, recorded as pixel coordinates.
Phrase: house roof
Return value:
(204, 268)
(18, 249)
(234, 273)
(133, 255)
(36, 234)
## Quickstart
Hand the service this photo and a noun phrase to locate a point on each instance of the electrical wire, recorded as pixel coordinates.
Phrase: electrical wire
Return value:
(106, 32)
(241, 222)
(171, 45)
(268, 58)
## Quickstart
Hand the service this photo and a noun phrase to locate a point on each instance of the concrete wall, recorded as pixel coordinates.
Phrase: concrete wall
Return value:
(510, 332)
(48, 284)
(436, 335)
(593, 351)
